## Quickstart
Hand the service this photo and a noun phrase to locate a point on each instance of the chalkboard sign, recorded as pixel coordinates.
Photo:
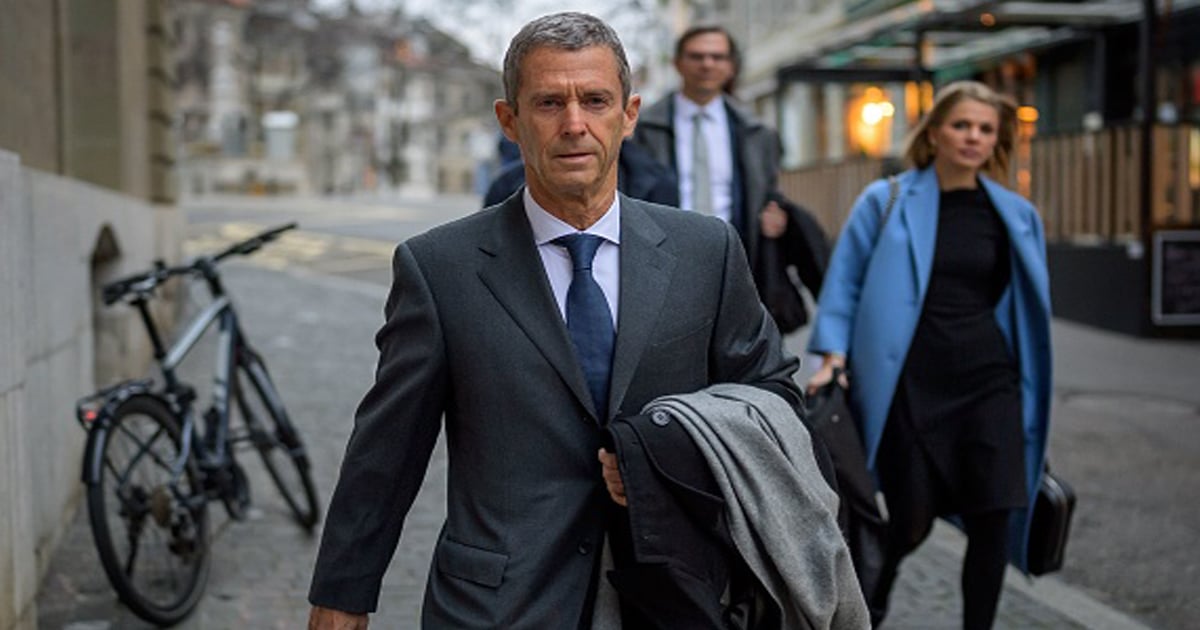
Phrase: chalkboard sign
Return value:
(1176, 292)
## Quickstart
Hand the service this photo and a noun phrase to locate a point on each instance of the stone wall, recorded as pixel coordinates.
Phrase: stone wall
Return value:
(60, 239)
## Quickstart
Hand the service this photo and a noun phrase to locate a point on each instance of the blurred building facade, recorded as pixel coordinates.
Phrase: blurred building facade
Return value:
(844, 81)
(277, 98)
(86, 195)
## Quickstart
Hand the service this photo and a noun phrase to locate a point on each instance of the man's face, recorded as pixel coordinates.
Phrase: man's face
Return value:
(705, 64)
(569, 121)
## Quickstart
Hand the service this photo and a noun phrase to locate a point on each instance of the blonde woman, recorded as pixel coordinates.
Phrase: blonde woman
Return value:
(939, 309)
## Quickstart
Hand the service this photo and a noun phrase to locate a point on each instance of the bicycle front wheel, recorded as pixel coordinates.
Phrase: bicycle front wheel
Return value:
(276, 440)
(151, 534)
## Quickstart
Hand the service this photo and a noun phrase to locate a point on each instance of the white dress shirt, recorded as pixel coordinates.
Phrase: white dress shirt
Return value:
(606, 266)
(720, 152)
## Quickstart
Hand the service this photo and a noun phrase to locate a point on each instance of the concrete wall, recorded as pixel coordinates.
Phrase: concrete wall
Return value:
(84, 96)
(18, 575)
(50, 328)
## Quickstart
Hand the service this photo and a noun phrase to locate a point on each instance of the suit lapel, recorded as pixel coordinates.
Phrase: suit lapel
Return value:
(924, 194)
(645, 275)
(920, 214)
(1020, 238)
(512, 270)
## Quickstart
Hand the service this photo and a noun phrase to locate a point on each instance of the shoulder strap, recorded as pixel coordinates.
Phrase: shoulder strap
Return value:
(893, 194)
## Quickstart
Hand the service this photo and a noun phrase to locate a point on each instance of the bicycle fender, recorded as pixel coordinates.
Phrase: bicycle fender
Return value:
(103, 402)
(113, 398)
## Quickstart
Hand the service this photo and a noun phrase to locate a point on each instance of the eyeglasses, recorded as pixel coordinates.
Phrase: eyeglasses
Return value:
(699, 57)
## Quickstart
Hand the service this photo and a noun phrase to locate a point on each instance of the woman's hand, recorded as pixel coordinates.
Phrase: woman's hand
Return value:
(825, 374)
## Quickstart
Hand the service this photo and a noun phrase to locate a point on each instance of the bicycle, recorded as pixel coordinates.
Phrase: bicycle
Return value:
(151, 470)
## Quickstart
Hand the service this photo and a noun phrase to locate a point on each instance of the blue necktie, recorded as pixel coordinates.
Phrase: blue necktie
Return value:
(589, 320)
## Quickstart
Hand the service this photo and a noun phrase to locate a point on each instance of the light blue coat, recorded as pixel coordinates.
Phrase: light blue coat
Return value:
(873, 292)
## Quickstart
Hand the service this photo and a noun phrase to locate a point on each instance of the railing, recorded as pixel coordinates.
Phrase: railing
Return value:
(1086, 185)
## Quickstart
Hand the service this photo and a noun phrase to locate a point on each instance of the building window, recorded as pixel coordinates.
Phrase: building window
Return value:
(869, 116)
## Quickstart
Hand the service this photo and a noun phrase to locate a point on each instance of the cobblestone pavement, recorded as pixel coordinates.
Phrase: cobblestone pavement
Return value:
(316, 333)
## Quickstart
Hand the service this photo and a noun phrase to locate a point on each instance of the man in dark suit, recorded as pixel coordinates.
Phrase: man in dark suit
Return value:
(505, 324)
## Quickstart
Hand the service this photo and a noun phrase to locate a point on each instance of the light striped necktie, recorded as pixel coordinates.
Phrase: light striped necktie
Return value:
(701, 179)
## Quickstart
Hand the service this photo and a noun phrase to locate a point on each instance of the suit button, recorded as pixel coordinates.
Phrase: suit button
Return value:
(585, 547)
(661, 418)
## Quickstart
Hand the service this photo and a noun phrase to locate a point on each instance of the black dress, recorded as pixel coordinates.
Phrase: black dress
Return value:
(954, 431)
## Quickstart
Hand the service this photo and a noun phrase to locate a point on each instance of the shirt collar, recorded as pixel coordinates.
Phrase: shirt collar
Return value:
(547, 227)
(685, 108)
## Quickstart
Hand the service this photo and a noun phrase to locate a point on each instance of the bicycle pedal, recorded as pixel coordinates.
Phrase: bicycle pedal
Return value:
(160, 506)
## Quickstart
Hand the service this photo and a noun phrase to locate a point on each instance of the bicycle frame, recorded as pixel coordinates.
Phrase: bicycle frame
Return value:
(213, 450)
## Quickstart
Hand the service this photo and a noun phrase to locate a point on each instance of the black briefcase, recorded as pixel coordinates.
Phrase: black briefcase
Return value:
(1051, 524)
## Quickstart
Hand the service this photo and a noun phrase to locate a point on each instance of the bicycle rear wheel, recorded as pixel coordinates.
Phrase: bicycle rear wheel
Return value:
(154, 547)
(276, 440)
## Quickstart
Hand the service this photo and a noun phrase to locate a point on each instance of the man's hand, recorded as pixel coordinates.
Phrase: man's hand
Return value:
(612, 477)
(330, 619)
(774, 220)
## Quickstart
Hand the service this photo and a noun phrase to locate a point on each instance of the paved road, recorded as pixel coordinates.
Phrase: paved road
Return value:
(1125, 435)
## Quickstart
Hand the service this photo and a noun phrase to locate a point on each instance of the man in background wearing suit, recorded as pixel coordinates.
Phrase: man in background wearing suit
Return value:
(529, 326)
(726, 160)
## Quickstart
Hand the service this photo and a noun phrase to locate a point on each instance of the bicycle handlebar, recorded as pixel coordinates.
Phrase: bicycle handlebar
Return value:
(252, 244)
(147, 280)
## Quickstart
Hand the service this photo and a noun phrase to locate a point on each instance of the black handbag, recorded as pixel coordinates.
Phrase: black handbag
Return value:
(829, 416)
(1050, 525)
(832, 422)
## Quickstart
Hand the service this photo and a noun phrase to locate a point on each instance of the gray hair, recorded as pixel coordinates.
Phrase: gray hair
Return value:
(563, 31)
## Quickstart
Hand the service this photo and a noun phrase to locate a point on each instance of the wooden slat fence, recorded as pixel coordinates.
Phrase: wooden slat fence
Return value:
(1086, 185)
(829, 190)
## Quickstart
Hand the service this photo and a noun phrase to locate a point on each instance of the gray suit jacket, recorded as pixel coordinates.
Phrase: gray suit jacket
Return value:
(472, 332)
